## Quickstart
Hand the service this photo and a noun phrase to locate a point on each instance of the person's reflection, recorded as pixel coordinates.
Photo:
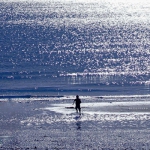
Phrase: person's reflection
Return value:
(78, 123)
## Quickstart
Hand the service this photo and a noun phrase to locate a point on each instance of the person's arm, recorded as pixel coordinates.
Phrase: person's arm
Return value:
(73, 102)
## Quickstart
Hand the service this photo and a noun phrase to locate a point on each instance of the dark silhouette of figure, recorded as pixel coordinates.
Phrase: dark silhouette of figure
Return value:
(77, 101)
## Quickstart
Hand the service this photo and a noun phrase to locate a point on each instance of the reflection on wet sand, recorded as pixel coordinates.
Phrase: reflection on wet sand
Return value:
(78, 123)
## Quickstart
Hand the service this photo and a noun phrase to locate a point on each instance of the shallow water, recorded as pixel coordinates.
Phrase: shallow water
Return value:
(47, 124)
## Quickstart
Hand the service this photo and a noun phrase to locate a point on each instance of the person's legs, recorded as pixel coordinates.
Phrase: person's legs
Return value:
(77, 109)
(80, 110)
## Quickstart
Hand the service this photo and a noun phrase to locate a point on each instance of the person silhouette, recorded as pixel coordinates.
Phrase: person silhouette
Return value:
(77, 101)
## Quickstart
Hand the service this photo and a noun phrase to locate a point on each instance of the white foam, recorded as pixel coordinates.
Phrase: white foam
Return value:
(3, 100)
(103, 108)
(111, 98)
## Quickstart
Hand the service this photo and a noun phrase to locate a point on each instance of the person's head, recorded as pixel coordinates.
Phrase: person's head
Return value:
(77, 96)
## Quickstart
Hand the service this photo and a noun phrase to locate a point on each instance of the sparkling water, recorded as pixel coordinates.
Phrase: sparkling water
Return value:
(54, 48)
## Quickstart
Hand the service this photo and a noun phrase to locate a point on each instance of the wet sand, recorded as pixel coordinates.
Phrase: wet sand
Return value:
(48, 125)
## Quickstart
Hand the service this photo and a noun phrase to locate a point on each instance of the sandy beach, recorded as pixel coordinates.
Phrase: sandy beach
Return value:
(51, 125)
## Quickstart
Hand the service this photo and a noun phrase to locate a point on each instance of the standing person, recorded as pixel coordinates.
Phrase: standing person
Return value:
(77, 101)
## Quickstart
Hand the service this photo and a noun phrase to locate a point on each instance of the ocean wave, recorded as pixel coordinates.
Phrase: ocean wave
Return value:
(28, 96)
(68, 97)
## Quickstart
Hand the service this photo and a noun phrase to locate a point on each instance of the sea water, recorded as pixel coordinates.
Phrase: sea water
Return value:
(57, 48)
